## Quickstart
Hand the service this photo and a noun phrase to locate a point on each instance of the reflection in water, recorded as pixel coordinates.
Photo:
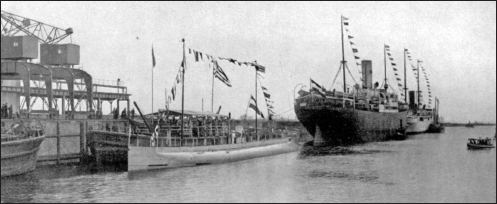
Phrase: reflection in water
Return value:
(425, 168)
(19, 193)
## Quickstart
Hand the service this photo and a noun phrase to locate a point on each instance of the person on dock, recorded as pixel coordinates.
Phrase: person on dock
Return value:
(115, 113)
(123, 114)
(4, 111)
(132, 113)
(10, 112)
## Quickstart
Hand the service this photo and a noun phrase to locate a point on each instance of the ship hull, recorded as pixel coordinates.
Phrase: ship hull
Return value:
(136, 153)
(341, 126)
(151, 158)
(19, 156)
(477, 146)
(108, 147)
(417, 126)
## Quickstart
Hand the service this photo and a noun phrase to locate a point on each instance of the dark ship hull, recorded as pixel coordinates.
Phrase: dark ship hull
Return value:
(337, 125)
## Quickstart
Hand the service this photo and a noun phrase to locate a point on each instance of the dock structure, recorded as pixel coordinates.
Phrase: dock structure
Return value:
(64, 93)
(40, 78)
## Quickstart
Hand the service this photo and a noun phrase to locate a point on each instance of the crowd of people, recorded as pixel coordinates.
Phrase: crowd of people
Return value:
(124, 114)
(7, 111)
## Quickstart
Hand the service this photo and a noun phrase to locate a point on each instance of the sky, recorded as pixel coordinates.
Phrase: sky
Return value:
(295, 41)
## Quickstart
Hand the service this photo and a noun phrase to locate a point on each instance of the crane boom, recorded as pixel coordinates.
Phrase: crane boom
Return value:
(12, 24)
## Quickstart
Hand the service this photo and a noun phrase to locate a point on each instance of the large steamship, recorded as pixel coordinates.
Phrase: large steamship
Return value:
(364, 114)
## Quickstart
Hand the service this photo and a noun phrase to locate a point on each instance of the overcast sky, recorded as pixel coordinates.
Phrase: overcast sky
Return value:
(295, 41)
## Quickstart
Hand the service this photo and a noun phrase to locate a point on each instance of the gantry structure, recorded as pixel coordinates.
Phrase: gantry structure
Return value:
(51, 88)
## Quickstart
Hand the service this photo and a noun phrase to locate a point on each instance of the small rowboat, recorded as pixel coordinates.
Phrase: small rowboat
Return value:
(480, 143)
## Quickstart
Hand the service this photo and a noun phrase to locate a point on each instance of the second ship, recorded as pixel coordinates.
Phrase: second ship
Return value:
(365, 114)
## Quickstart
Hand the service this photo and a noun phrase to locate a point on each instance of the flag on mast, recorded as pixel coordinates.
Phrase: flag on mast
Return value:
(153, 57)
(315, 87)
(254, 107)
(219, 74)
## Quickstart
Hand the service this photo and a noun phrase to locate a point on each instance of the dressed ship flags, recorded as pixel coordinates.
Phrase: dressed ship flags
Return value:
(394, 67)
(199, 57)
(355, 50)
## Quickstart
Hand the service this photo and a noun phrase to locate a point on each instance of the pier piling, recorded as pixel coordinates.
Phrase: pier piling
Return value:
(58, 142)
(82, 141)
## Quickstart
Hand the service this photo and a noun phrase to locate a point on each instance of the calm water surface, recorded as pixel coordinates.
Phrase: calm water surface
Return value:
(425, 168)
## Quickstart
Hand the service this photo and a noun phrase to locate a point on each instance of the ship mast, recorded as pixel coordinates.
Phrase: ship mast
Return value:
(212, 97)
(419, 103)
(183, 91)
(405, 76)
(385, 63)
(343, 65)
(256, 104)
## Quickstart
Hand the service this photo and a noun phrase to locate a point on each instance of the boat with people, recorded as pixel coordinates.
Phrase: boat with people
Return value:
(480, 143)
(358, 114)
(20, 146)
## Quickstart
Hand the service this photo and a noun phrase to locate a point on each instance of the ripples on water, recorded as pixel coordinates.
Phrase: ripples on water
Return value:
(425, 168)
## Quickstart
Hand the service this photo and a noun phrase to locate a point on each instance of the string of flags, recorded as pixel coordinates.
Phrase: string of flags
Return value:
(408, 54)
(316, 88)
(221, 75)
(355, 50)
(414, 69)
(269, 102)
(199, 56)
(395, 70)
(428, 86)
(417, 78)
(218, 71)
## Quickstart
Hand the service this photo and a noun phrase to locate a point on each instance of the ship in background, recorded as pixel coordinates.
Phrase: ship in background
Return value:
(364, 114)
(421, 119)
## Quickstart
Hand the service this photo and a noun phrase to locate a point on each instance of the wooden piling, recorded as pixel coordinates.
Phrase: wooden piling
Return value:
(82, 140)
(58, 142)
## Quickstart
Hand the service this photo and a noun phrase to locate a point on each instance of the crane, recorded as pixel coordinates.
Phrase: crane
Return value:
(13, 24)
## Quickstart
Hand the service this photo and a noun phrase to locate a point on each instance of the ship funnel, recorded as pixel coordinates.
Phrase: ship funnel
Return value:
(367, 74)
(412, 99)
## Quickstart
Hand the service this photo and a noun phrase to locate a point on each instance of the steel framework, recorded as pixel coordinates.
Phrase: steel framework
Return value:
(13, 24)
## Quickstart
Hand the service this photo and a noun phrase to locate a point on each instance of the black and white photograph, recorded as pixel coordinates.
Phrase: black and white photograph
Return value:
(248, 102)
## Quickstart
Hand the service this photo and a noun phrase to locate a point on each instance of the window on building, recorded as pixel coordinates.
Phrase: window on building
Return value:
(59, 51)
(16, 44)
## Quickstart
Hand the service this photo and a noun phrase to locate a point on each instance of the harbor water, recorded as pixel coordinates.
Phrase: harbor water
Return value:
(424, 168)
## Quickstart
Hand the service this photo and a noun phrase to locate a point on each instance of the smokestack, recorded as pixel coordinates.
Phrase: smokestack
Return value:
(367, 74)
(412, 99)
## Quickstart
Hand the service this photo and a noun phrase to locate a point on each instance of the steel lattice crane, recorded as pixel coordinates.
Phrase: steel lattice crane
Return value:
(12, 24)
